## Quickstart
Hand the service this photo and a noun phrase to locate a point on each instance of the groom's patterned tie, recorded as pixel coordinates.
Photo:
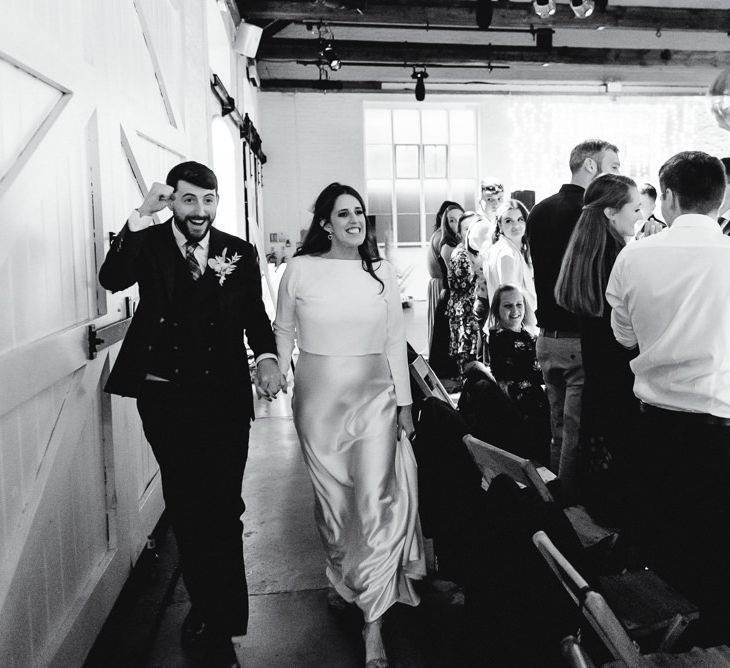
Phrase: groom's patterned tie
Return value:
(195, 270)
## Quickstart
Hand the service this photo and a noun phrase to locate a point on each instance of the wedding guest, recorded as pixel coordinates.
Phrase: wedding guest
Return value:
(438, 292)
(609, 409)
(462, 278)
(724, 218)
(491, 197)
(478, 240)
(514, 365)
(508, 259)
(450, 237)
(669, 299)
(352, 398)
(648, 223)
(447, 218)
(549, 227)
(184, 360)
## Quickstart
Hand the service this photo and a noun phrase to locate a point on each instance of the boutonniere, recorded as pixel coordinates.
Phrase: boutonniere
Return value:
(223, 266)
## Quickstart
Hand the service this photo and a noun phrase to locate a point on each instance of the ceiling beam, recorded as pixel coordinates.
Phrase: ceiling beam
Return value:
(408, 53)
(443, 13)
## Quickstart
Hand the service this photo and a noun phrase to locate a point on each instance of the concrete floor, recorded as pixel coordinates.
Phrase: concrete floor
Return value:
(290, 624)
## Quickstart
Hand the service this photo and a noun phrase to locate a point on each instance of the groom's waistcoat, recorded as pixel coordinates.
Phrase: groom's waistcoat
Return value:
(188, 347)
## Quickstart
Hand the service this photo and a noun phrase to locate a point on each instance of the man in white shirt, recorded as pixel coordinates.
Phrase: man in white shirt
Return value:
(669, 295)
(724, 217)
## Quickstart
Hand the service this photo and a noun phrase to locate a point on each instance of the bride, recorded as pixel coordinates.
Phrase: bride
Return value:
(351, 401)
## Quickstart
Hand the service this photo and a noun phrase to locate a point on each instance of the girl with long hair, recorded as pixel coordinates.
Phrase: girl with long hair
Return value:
(609, 409)
(351, 401)
(513, 362)
(508, 259)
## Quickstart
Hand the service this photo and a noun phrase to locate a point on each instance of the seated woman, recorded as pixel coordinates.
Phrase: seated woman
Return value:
(514, 365)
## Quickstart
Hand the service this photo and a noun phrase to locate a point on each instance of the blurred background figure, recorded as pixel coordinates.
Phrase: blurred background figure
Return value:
(490, 197)
(648, 223)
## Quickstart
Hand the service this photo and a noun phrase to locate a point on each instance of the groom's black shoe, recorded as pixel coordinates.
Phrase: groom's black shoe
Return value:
(212, 648)
(220, 654)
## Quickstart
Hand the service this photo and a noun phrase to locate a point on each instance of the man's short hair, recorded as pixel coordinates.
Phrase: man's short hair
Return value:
(726, 164)
(697, 180)
(195, 173)
(648, 189)
(588, 149)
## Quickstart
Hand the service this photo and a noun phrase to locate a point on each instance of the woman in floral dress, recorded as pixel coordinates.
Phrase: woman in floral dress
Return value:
(462, 277)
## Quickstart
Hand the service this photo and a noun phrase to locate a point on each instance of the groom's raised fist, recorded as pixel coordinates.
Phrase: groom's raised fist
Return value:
(157, 198)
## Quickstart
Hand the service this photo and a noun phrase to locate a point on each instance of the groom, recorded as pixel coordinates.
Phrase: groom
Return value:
(185, 361)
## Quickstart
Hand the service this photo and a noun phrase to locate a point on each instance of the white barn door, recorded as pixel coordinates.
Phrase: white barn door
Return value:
(98, 100)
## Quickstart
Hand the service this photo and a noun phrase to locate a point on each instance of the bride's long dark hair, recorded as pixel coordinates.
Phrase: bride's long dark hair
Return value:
(316, 240)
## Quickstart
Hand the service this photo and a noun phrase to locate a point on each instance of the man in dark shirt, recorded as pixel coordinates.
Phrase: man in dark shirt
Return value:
(549, 227)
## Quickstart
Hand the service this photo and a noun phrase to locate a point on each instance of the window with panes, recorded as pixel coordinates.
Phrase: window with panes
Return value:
(416, 159)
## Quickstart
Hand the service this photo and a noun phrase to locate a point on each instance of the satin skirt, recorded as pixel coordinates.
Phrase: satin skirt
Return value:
(364, 479)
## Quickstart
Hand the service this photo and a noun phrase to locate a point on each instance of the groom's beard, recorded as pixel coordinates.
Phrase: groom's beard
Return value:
(193, 227)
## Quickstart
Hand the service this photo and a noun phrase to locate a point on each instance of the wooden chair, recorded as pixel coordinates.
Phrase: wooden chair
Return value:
(644, 602)
(428, 381)
(609, 629)
(492, 461)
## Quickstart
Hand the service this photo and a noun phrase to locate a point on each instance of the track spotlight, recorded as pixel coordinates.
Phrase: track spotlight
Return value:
(544, 8)
(582, 8)
(484, 13)
(327, 51)
(419, 75)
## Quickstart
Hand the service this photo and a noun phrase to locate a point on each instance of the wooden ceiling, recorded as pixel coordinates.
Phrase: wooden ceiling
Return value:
(626, 46)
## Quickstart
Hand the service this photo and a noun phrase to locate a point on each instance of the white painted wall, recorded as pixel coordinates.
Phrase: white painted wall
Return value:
(82, 136)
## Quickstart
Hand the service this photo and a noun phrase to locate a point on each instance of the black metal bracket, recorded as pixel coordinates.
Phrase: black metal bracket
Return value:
(103, 337)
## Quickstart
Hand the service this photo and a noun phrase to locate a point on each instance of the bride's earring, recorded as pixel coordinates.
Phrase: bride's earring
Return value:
(329, 236)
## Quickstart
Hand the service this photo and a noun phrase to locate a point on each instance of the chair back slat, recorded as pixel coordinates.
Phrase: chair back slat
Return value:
(592, 605)
(492, 461)
(428, 381)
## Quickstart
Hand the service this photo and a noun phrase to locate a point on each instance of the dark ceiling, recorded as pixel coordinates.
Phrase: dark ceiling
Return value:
(626, 44)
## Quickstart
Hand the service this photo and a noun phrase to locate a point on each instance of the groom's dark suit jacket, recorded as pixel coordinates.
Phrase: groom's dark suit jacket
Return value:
(212, 317)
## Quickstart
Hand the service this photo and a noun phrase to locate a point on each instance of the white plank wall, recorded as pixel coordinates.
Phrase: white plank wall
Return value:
(82, 135)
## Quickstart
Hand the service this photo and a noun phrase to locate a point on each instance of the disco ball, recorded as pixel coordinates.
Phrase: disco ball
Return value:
(720, 99)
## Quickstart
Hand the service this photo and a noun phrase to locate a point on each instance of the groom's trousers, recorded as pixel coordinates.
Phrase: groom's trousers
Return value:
(200, 440)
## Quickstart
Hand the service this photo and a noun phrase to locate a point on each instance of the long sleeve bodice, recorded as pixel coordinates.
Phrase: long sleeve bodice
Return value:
(334, 307)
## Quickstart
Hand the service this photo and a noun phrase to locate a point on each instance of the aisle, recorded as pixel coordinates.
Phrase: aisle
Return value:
(290, 624)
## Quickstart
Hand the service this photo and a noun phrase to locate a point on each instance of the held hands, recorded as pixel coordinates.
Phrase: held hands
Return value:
(159, 196)
(405, 421)
(269, 379)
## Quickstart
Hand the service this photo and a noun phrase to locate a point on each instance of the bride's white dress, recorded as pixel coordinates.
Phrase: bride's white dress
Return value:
(351, 373)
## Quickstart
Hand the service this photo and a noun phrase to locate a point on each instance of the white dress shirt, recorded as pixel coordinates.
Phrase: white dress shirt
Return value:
(669, 294)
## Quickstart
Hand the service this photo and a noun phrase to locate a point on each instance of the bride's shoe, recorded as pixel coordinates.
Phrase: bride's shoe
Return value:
(374, 646)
